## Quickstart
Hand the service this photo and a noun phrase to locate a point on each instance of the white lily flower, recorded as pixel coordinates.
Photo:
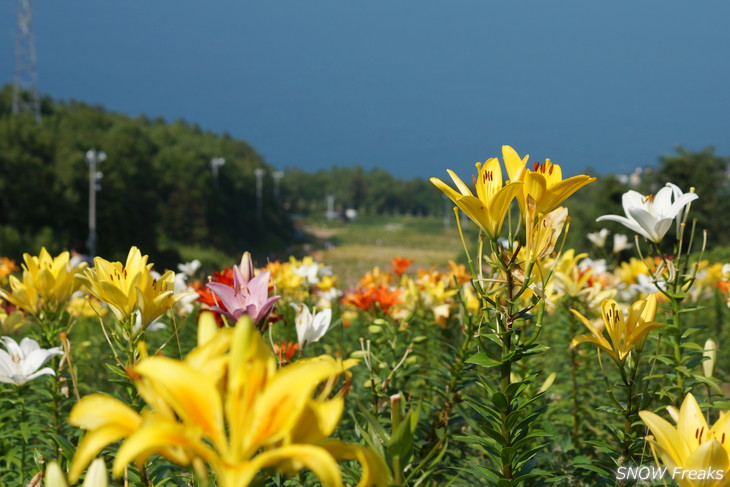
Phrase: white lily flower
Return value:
(597, 266)
(652, 216)
(620, 242)
(21, 363)
(646, 285)
(309, 273)
(311, 328)
(189, 268)
(598, 238)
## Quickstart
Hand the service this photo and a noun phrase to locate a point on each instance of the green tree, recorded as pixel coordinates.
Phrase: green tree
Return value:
(708, 174)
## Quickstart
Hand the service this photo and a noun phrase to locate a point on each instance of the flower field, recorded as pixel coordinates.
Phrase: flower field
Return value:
(481, 350)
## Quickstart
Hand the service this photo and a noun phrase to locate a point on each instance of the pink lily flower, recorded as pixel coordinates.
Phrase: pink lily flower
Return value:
(248, 296)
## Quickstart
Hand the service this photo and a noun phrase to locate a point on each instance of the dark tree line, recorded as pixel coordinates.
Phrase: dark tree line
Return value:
(370, 192)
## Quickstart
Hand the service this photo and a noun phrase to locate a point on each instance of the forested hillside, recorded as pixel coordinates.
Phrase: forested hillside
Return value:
(157, 189)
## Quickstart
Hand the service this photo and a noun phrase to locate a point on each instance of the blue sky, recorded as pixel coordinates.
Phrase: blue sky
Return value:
(412, 86)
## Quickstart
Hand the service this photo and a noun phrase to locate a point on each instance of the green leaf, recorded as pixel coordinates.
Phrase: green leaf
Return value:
(710, 382)
(500, 402)
(483, 360)
(401, 440)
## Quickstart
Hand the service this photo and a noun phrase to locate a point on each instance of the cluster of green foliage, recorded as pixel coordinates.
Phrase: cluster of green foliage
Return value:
(708, 174)
(704, 171)
(376, 192)
(157, 192)
(372, 192)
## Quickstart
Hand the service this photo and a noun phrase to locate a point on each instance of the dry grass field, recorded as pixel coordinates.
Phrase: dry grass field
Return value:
(360, 245)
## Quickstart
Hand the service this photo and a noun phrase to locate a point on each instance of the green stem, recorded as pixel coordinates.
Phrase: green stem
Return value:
(574, 381)
(56, 407)
(506, 376)
(452, 388)
(23, 432)
(677, 345)
(631, 414)
(628, 420)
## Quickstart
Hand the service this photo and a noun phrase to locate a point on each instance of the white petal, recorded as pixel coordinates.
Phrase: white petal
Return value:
(43, 371)
(28, 346)
(156, 325)
(321, 323)
(676, 208)
(632, 199)
(96, 475)
(303, 322)
(620, 242)
(7, 366)
(627, 222)
(661, 227)
(662, 201)
(647, 221)
(12, 347)
(36, 359)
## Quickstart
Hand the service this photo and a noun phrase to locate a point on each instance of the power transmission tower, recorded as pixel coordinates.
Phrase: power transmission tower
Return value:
(25, 83)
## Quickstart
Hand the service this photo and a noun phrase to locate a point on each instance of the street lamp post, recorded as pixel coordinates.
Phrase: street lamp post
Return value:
(277, 175)
(93, 158)
(259, 173)
(330, 207)
(215, 165)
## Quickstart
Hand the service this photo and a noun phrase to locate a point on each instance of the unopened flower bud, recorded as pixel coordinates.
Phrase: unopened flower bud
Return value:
(708, 364)
(395, 410)
(246, 267)
(548, 382)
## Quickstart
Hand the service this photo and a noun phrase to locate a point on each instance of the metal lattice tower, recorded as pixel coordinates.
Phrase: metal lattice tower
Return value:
(25, 82)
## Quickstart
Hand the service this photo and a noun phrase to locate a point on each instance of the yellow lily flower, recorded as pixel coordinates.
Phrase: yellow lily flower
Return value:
(570, 280)
(156, 296)
(514, 164)
(624, 335)
(23, 294)
(692, 450)
(543, 236)
(491, 204)
(545, 186)
(286, 281)
(85, 307)
(226, 405)
(52, 276)
(628, 272)
(116, 284)
(129, 287)
(48, 282)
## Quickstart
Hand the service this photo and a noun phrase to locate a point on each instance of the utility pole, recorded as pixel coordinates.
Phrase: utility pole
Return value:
(330, 207)
(259, 173)
(93, 158)
(277, 175)
(25, 79)
(215, 165)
